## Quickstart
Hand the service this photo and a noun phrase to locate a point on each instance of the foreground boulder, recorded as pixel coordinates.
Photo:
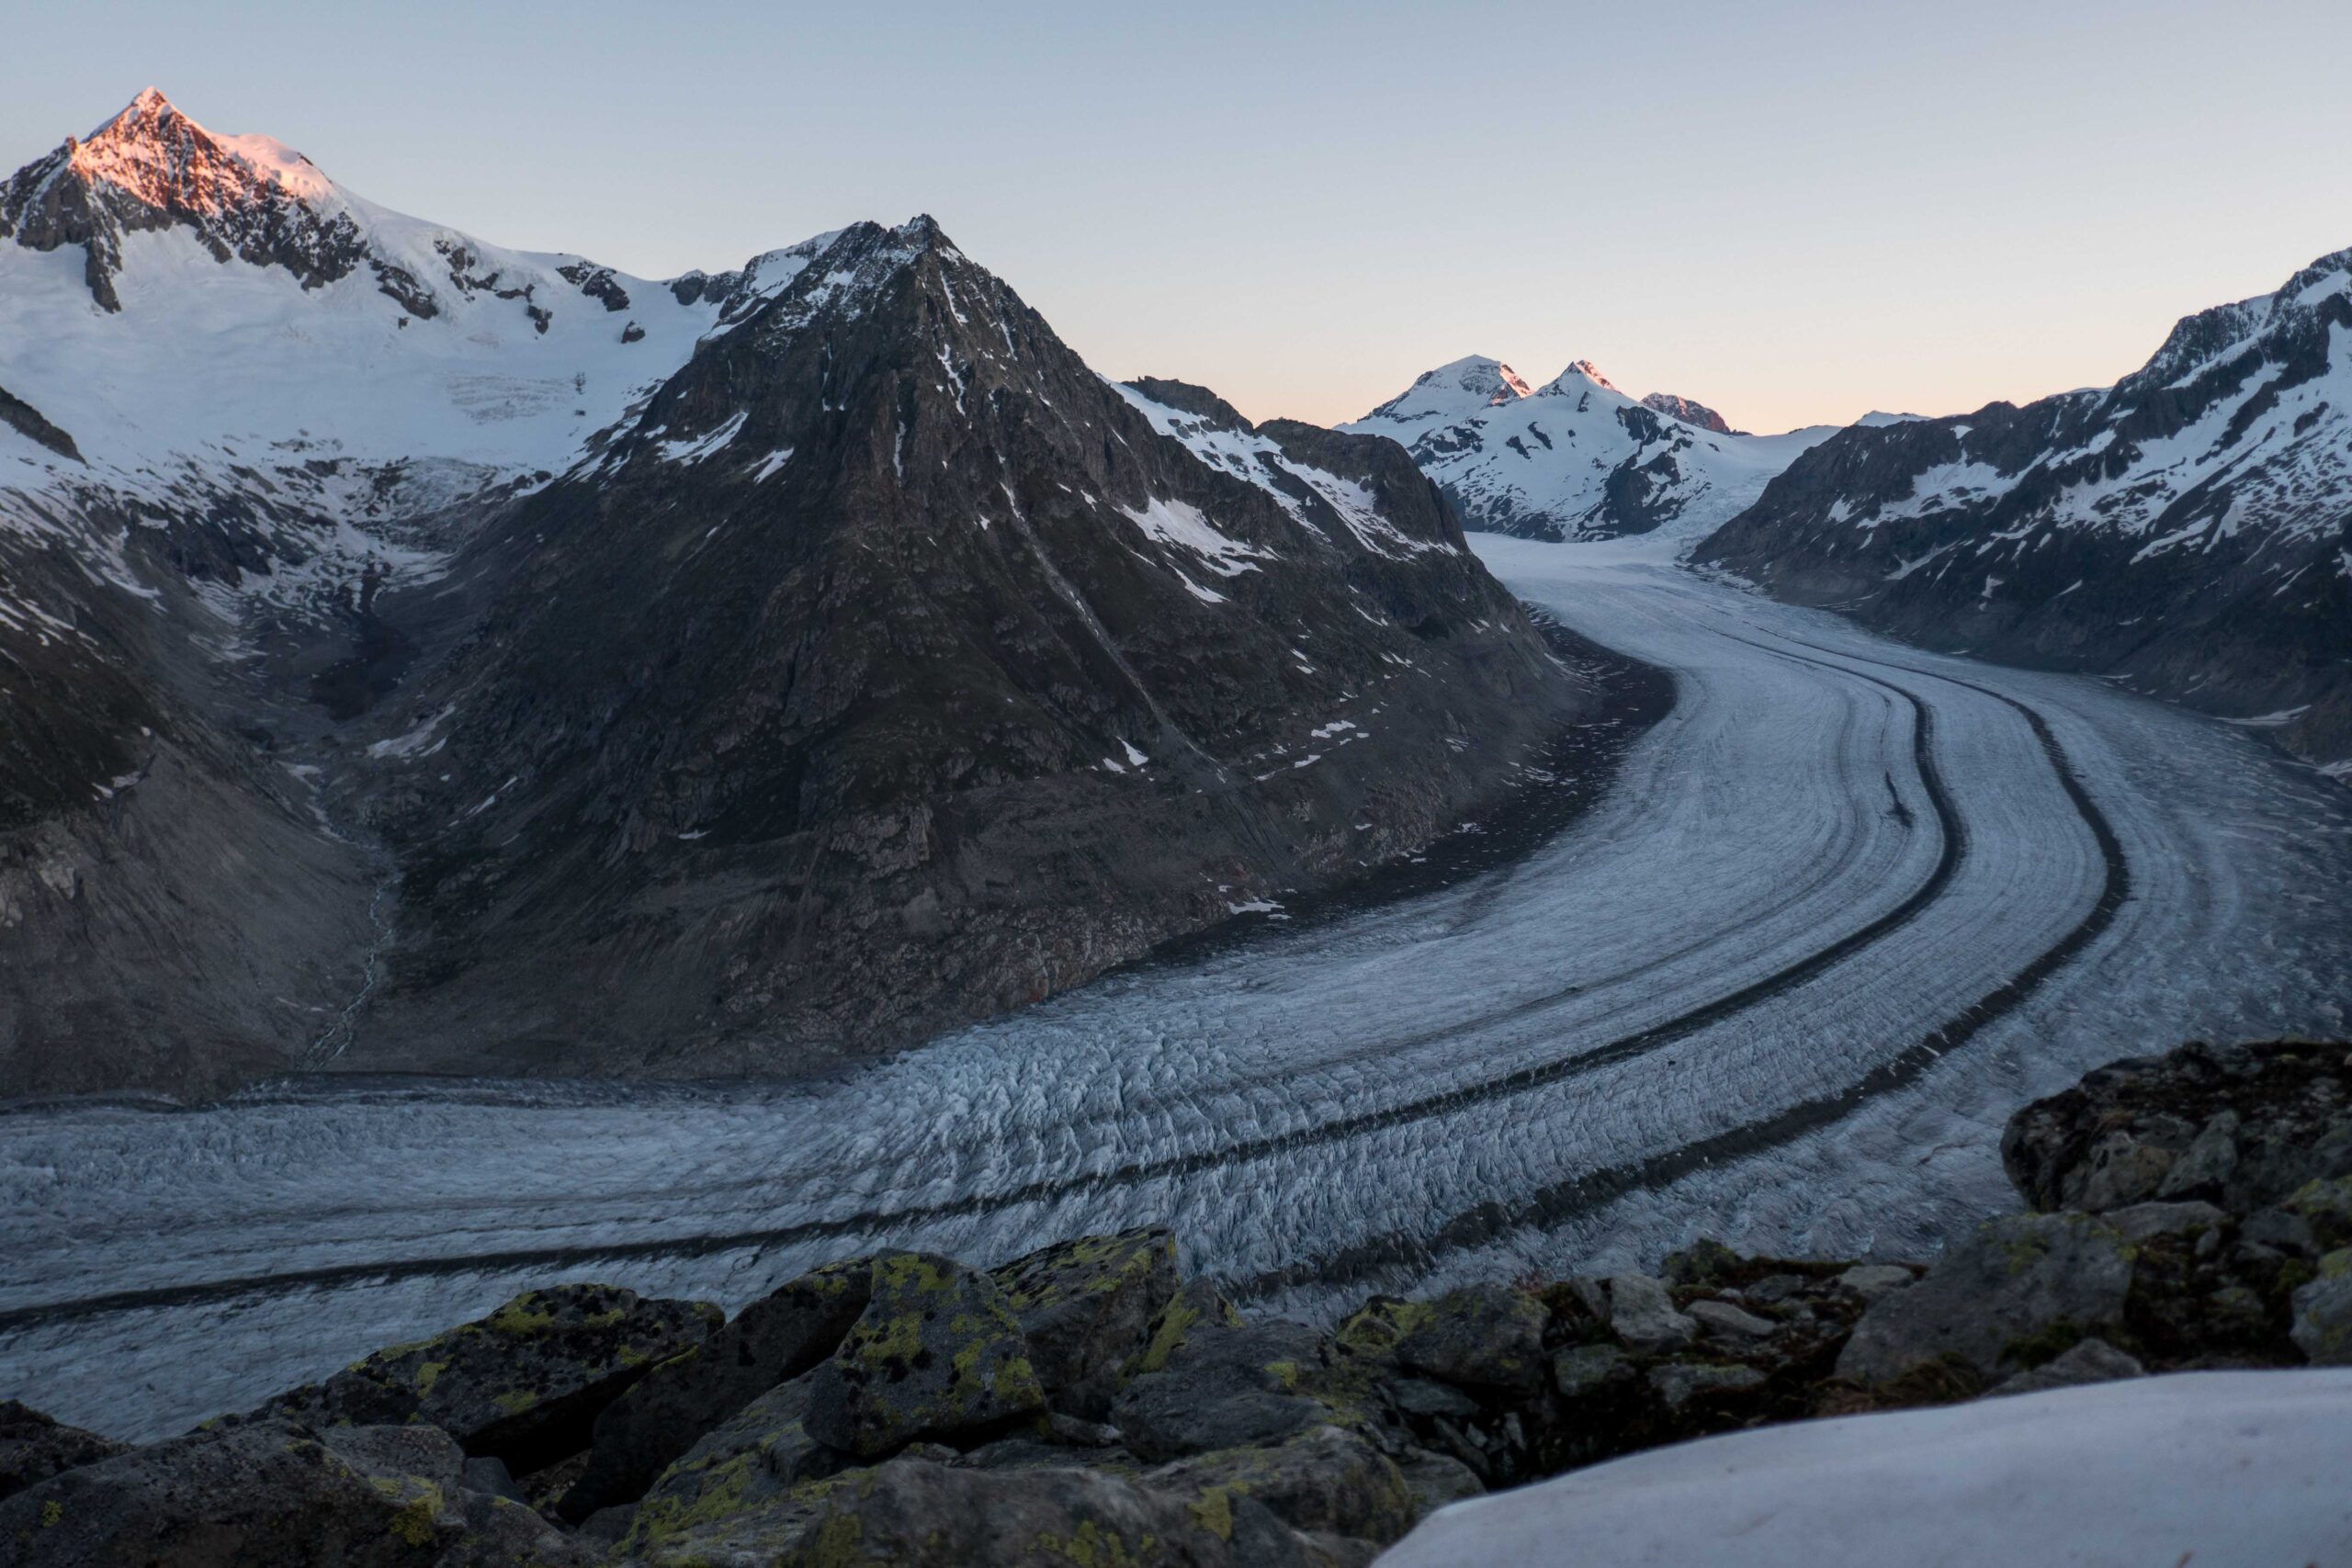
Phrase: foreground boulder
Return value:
(523, 1385)
(682, 1400)
(1084, 1305)
(2015, 1287)
(277, 1493)
(937, 1352)
(33, 1448)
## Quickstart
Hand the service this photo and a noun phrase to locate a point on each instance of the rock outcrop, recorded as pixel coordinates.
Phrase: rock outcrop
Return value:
(1085, 1403)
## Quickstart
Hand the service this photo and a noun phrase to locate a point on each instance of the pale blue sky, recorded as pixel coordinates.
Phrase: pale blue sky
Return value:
(1795, 212)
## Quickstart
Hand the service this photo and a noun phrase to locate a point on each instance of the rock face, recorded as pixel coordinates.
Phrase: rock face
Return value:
(731, 675)
(1085, 1403)
(1577, 459)
(1690, 413)
(2180, 530)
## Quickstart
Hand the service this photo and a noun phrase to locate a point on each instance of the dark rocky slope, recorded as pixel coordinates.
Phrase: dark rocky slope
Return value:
(2184, 530)
(1086, 1404)
(890, 668)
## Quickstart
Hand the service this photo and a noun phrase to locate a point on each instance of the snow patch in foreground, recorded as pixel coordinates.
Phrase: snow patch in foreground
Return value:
(2205, 1468)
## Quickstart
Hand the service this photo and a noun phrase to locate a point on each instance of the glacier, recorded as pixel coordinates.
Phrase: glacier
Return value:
(1841, 911)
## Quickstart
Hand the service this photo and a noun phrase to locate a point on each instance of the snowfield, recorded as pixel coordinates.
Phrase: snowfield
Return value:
(2209, 1468)
(1846, 908)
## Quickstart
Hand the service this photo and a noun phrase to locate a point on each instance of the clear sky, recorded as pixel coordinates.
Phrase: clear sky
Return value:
(1794, 212)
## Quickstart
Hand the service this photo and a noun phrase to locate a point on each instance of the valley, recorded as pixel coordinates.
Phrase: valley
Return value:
(1839, 913)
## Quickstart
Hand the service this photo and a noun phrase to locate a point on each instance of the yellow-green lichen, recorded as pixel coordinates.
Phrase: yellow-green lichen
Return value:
(51, 1512)
(1091, 1546)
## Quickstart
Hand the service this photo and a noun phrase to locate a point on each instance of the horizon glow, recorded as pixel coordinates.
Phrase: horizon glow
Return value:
(1793, 214)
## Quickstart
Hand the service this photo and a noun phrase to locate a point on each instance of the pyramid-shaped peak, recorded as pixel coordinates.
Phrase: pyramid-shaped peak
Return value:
(1581, 376)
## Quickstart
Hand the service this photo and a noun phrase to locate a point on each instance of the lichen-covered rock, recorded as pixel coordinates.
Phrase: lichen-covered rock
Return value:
(2323, 1312)
(1328, 1481)
(1582, 1371)
(33, 1447)
(680, 1401)
(937, 1352)
(2021, 1288)
(271, 1491)
(524, 1383)
(1087, 1308)
(912, 1513)
(2325, 1207)
(1643, 1316)
(1197, 1305)
(1487, 1336)
(2242, 1126)
(1227, 1387)
(760, 1453)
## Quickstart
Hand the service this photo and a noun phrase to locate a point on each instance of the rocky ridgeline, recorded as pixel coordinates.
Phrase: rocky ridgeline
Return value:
(1086, 1404)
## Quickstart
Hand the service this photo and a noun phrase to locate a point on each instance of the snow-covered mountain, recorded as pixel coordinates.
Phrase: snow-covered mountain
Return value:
(1576, 457)
(2187, 530)
(416, 650)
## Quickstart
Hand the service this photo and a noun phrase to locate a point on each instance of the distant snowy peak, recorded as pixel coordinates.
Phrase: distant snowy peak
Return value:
(1463, 387)
(151, 167)
(1690, 411)
(1581, 376)
(1577, 457)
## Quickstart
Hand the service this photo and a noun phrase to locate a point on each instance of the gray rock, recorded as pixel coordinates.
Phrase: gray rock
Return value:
(1584, 1370)
(679, 1402)
(2322, 1308)
(2141, 1221)
(33, 1447)
(2091, 1360)
(913, 1513)
(524, 1383)
(1436, 1480)
(1225, 1388)
(1643, 1316)
(1482, 1336)
(761, 1452)
(1680, 1382)
(1872, 1280)
(2016, 1280)
(936, 1352)
(271, 1491)
(1726, 1320)
(1087, 1308)
(1326, 1481)
(1424, 1396)
(2204, 1168)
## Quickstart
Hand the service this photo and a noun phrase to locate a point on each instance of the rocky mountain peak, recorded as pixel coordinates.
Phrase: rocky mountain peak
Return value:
(151, 167)
(1690, 411)
(1581, 376)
